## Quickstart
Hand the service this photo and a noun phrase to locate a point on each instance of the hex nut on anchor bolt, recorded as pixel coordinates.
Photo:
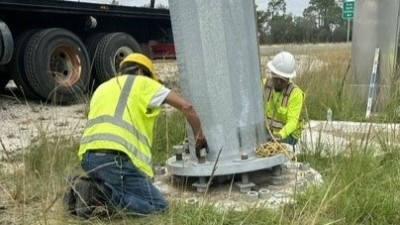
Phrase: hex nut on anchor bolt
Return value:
(192, 201)
(202, 158)
(178, 149)
(264, 193)
(252, 195)
(186, 146)
(304, 166)
(160, 170)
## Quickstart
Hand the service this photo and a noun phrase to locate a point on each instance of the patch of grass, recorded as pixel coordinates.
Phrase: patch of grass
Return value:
(170, 130)
(358, 189)
(33, 187)
(326, 85)
(359, 186)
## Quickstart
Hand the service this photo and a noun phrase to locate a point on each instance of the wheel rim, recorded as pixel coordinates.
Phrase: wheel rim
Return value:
(65, 66)
(120, 54)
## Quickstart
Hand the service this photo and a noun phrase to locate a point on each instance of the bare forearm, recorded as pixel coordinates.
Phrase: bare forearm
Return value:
(188, 110)
(194, 122)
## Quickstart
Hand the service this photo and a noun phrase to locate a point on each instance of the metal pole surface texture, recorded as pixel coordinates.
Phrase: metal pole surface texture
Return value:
(375, 25)
(218, 59)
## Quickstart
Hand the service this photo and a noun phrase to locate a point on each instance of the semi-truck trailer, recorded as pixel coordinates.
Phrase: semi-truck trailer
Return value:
(58, 50)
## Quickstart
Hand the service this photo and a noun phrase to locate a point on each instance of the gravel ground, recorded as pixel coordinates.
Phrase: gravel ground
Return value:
(25, 120)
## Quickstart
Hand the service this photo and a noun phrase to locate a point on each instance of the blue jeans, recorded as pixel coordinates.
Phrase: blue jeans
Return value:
(291, 141)
(131, 190)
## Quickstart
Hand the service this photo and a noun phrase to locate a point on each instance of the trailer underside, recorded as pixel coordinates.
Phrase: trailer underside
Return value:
(62, 49)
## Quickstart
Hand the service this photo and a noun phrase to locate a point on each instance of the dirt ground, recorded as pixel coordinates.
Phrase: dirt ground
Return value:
(25, 120)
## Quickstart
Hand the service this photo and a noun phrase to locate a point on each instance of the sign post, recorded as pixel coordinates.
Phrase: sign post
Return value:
(372, 83)
(348, 14)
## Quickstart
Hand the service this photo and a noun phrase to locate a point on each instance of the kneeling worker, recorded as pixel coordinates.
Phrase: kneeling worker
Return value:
(115, 148)
(283, 100)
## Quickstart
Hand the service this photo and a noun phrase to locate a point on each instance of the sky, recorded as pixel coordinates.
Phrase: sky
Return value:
(295, 7)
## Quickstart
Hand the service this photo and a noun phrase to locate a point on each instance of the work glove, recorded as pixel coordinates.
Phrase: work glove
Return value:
(201, 145)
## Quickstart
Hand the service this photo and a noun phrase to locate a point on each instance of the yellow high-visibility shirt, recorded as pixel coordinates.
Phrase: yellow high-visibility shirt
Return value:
(120, 119)
(288, 116)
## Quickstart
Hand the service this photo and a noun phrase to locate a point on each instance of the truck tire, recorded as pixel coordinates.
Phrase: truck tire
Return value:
(91, 44)
(7, 43)
(111, 50)
(1, 45)
(16, 66)
(57, 65)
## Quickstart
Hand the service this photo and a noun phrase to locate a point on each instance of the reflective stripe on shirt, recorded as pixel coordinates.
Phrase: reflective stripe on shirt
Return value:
(119, 140)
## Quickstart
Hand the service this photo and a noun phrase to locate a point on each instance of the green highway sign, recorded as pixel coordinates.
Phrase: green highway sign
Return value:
(348, 9)
(348, 6)
(347, 15)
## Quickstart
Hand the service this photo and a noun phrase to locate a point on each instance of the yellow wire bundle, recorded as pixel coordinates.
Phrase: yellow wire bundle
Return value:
(271, 148)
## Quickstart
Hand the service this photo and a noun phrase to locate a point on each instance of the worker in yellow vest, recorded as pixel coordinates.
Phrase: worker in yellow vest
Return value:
(283, 100)
(115, 148)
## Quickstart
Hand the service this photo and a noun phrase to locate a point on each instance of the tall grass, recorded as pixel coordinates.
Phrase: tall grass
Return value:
(33, 186)
(326, 85)
(360, 186)
(358, 189)
(170, 130)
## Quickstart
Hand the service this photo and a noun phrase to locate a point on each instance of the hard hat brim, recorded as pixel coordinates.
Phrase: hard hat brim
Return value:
(143, 61)
(272, 68)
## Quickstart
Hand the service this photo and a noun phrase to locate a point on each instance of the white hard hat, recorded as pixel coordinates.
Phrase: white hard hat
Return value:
(283, 64)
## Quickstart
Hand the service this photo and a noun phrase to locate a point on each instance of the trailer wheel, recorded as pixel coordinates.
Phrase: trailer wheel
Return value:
(17, 69)
(1, 46)
(111, 50)
(7, 44)
(91, 44)
(57, 65)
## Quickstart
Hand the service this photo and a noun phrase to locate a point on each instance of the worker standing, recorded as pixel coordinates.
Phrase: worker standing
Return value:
(115, 148)
(283, 100)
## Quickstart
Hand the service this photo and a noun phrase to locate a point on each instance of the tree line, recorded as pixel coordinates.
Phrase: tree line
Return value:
(321, 22)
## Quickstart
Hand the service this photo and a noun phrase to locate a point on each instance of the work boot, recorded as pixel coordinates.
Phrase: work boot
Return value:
(101, 195)
(84, 202)
(86, 197)
(69, 196)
